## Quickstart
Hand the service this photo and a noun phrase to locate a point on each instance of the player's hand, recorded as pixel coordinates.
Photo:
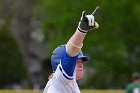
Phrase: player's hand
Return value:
(87, 23)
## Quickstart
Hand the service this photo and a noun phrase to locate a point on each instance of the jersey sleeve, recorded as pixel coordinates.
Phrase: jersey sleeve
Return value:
(129, 89)
(67, 65)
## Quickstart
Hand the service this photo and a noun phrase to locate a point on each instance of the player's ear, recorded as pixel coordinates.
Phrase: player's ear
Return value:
(50, 76)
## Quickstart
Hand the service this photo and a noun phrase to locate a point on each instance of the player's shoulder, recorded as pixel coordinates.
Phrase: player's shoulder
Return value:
(131, 85)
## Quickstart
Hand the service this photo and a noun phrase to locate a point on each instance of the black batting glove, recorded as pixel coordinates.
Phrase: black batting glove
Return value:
(87, 23)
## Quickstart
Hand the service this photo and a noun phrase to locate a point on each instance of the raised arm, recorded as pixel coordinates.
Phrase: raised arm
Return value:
(75, 43)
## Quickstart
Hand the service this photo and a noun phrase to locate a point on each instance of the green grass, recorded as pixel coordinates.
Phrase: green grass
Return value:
(41, 91)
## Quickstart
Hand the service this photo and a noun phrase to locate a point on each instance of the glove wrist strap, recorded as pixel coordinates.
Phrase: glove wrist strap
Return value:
(83, 31)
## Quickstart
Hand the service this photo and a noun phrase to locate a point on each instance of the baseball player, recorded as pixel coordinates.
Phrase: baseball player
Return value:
(67, 60)
(134, 87)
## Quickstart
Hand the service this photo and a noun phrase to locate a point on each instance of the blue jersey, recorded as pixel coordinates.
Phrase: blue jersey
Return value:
(64, 79)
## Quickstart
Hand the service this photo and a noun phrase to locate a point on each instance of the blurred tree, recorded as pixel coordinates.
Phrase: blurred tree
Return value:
(19, 16)
(12, 68)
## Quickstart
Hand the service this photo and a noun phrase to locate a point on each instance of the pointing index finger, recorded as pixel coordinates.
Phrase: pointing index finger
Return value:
(95, 11)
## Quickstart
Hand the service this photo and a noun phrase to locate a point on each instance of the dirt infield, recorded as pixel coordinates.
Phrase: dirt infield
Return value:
(102, 91)
(82, 91)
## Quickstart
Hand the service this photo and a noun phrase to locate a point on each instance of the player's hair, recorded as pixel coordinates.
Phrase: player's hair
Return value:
(136, 76)
(50, 76)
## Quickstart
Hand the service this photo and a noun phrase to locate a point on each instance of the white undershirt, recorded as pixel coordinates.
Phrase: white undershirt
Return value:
(60, 84)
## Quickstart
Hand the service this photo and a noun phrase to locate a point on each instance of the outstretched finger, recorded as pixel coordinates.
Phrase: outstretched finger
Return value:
(95, 11)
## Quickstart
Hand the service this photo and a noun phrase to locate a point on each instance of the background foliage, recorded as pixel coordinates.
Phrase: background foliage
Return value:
(114, 48)
(12, 68)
